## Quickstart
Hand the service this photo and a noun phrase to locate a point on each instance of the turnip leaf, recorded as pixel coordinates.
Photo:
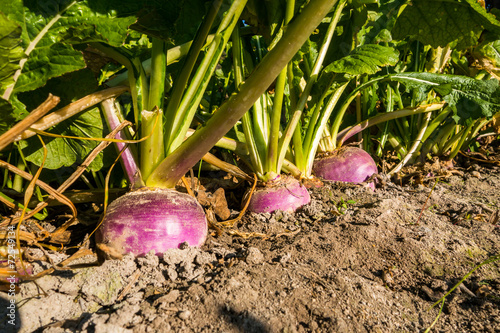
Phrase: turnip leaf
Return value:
(470, 98)
(50, 29)
(64, 152)
(441, 22)
(12, 52)
(365, 59)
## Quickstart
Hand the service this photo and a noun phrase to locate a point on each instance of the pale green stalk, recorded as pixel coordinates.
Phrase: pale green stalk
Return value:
(193, 95)
(246, 122)
(171, 112)
(320, 128)
(414, 147)
(178, 163)
(279, 93)
(297, 114)
(340, 115)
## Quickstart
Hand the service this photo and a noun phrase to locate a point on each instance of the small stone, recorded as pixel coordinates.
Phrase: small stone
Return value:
(476, 174)
(184, 315)
(171, 297)
(254, 256)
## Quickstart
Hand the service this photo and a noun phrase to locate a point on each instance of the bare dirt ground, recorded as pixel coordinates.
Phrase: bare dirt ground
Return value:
(351, 261)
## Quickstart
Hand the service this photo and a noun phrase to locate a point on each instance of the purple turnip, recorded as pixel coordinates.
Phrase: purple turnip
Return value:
(152, 219)
(347, 164)
(286, 194)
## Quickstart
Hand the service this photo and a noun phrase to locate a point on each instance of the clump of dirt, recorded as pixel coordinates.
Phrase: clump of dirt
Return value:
(351, 261)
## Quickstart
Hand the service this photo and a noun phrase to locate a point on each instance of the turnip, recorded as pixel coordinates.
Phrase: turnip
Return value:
(157, 220)
(285, 193)
(152, 219)
(347, 164)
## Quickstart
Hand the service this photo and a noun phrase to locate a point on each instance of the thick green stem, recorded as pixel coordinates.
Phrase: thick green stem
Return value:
(152, 149)
(250, 138)
(174, 54)
(320, 128)
(340, 115)
(194, 93)
(183, 158)
(291, 129)
(158, 75)
(279, 93)
(414, 148)
(465, 132)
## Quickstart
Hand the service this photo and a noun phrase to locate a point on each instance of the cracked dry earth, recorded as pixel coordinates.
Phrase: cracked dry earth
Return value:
(351, 261)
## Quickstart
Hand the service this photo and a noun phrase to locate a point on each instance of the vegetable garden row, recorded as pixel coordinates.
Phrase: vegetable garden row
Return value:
(289, 90)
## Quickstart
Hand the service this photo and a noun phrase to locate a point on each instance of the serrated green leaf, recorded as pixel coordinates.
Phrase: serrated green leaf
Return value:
(62, 152)
(365, 59)
(441, 22)
(470, 98)
(50, 28)
(12, 52)
(46, 63)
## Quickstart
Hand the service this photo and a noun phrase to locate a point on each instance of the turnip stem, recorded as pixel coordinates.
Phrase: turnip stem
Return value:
(183, 158)
(383, 117)
(152, 149)
(248, 129)
(279, 92)
(292, 129)
(171, 111)
(320, 129)
(174, 54)
(194, 93)
(128, 157)
(414, 147)
(158, 74)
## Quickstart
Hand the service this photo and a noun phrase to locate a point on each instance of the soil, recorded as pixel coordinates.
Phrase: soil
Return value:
(353, 260)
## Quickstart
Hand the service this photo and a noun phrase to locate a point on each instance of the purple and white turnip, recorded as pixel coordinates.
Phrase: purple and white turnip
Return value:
(347, 164)
(285, 194)
(152, 219)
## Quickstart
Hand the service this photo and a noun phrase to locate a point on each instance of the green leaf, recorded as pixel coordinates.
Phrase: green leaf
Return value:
(380, 20)
(365, 59)
(49, 29)
(46, 63)
(441, 22)
(12, 52)
(470, 99)
(171, 20)
(7, 118)
(64, 152)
